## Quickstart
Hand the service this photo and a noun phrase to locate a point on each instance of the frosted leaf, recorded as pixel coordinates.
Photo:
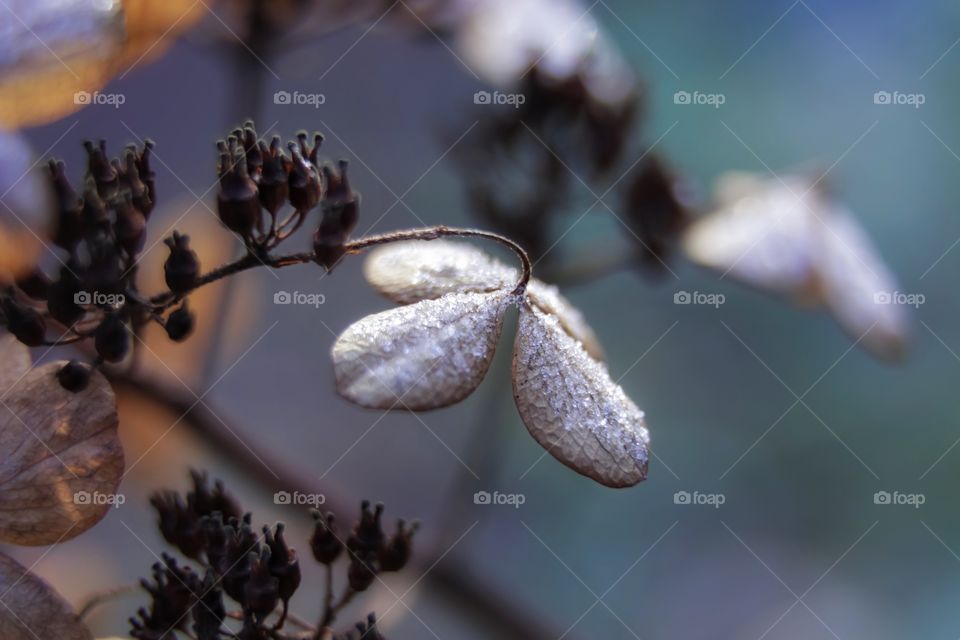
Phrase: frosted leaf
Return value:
(57, 445)
(794, 239)
(858, 287)
(572, 407)
(417, 270)
(760, 235)
(32, 609)
(425, 355)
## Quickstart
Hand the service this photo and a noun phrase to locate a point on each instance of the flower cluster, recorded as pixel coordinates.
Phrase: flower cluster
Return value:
(259, 572)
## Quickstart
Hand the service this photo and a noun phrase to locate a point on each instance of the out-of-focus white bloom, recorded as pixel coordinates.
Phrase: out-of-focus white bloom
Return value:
(503, 39)
(791, 237)
(25, 207)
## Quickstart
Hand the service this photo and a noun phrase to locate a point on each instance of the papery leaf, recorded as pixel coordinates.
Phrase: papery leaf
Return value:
(60, 452)
(32, 610)
(422, 356)
(571, 406)
(760, 236)
(858, 288)
(417, 270)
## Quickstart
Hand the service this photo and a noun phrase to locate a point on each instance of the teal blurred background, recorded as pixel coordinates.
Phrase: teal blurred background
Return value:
(799, 548)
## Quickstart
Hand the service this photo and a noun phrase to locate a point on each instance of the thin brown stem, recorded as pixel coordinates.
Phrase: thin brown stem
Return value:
(94, 600)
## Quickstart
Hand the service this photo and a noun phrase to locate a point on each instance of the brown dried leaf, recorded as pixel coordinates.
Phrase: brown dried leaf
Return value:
(572, 407)
(56, 444)
(417, 270)
(422, 356)
(32, 609)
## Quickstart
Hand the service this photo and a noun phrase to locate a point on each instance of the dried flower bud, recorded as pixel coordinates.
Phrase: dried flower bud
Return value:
(324, 542)
(206, 501)
(395, 554)
(284, 565)
(274, 188)
(95, 214)
(24, 323)
(341, 212)
(362, 570)
(179, 525)
(99, 168)
(74, 376)
(238, 203)
(112, 338)
(179, 324)
(172, 593)
(182, 265)
(367, 535)
(262, 589)
(209, 613)
(304, 181)
(147, 176)
(131, 181)
(69, 208)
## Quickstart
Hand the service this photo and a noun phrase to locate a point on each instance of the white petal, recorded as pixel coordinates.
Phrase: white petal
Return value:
(761, 235)
(572, 407)
(858, 287)
(548, 299)
(422, 356)
(417, 270)
(408, 272)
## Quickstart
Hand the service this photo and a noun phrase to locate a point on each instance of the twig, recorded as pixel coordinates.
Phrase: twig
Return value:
(94, 600)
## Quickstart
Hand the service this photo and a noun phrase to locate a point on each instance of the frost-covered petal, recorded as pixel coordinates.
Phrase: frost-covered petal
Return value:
(417, 270)
(422, 356)
(571, 406)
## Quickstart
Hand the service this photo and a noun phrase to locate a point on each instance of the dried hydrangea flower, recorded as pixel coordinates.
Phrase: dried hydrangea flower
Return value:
(435, 351)
(792, 238)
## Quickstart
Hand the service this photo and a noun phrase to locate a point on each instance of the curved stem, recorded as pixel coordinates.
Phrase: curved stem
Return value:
(168, 298)
(101, 597)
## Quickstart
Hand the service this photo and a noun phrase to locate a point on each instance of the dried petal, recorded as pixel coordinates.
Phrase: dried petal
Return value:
(32, 609)
(857, 287)
(426, 355)
(417, 270)
(60, 451)
(792, 238)
(572, 407)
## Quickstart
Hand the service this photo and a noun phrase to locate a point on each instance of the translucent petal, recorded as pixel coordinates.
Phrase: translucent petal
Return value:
(572, 407)
(408, 272)
(425, 355)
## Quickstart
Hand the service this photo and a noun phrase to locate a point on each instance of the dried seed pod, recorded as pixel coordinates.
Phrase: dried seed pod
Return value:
(62, 297)
(182, 265)
(273, 186)
(262, 589)
(74, 376)
(238, 201)
(179, 324)
(325, 543)
(69, 225)
(112, 338)
(284, 565)
(304, 181)
(130, 226)
(99, 168)
(395, 554)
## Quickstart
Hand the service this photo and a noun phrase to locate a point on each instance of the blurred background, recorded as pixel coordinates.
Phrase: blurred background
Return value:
(755, 401)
